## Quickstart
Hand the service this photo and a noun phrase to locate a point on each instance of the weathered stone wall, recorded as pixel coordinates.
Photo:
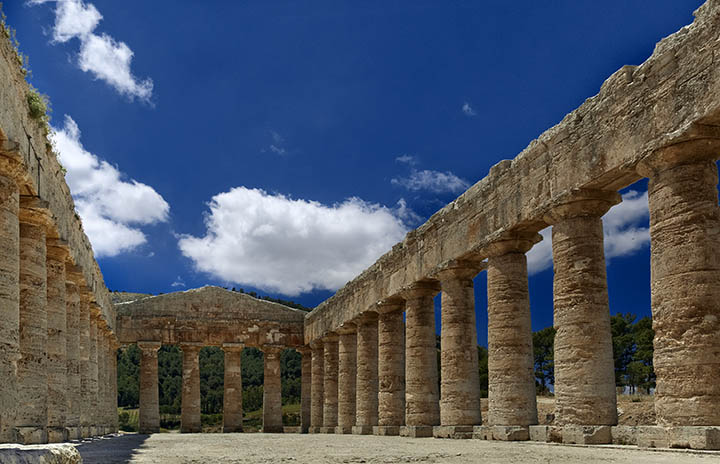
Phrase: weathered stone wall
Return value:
(43, 174)
(672, 97)
(210, 315)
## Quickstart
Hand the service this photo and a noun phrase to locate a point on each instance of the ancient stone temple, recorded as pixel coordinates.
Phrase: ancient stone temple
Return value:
(369, 360)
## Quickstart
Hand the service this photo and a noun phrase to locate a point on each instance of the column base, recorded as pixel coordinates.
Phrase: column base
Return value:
(232, 429)
(272, 429)
(314, 429)
(453, 431)
(73, 433)
(682, 437)
(416, 431)
(91, 431)
(545, 433)
(57, 434)
(586, 434)
(191, 429)
(31, 435)
(501, 432)
(294, 429)
(149, 430)
(343, 430)
(327, 429)
(386, 430)
(362, 430)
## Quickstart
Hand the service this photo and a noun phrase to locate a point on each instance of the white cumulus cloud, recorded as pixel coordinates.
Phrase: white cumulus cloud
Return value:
(623, 233)
(110, 207)
(101, 55)
(433, 181)
(468, 110)
(287, 245)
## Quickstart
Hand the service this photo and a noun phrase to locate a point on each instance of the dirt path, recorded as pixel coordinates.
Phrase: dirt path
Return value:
(351, 449)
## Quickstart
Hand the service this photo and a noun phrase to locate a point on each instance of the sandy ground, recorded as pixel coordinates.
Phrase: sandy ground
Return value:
(319, 449)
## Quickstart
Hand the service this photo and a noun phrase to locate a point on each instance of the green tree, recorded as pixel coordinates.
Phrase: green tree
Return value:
(544, 357)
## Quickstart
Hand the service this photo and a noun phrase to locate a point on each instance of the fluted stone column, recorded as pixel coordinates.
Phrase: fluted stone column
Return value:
(113, 383)
(74, 397)
(190, 409)
(149, 420)
(584, 369)
(103, 379)
(232, 398)
(347, 378)
(272, 391)
(422, 409)
(511, 365)
(391, 368)
(93, 368)
(31, 418)
(685, 272)
(9, 303)
(84, 361)
(330, 387)
(459, 377)
(305, 388)
(57, 373)
(318, 382)
(366, 416)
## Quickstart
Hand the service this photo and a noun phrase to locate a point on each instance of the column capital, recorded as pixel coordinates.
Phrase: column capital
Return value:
(581, 202)
(316, 344)
(347, 328)
(95, 311)
(512, 242)
(74, 274)
(303, 350)
(331, 337)
(272, 349)
(697, 150)
(421, 289)
(149, 346)
(57, 249)
(232, 347)
(367, 317)
(459, 269)
(11, 164)
(191, 346)
(35, 211)
(390, 305)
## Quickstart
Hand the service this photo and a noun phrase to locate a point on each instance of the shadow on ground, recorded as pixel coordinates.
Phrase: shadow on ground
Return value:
(111, 450)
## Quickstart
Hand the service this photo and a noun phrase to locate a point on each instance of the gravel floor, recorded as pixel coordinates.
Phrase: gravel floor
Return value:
(294, 448)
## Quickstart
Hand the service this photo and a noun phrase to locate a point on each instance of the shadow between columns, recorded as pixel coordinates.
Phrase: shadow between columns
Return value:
(111, 450)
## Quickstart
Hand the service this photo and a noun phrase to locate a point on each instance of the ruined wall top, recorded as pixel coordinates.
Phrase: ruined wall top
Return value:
(209, 315)
(672, 97)
(24, 138)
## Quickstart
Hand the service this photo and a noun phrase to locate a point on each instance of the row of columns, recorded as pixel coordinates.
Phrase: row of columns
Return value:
(190, 417)
(51, 335)
(395, 388)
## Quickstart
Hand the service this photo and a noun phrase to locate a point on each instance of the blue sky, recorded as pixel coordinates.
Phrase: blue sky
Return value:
(283, 146)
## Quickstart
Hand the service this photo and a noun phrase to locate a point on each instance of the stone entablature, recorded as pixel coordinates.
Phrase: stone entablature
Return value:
(212, 316)
(674, 96)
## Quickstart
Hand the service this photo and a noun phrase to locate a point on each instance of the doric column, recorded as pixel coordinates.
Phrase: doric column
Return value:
(32, 386)
(190, 409)
(305, 388)
(330, 387)
(112, 359)
(84, 361)
(366, 415)
(347, 377)
(93, 368)
(584, 369)
(272, 390)
(149, 420)
(232, 398)
(422, 410)
(391, 368)
(511, 366)
(9, 301)
(57, 372)
(318, 382)
(74, 398)
(101, 417)
(685, 272)
(459, 377)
